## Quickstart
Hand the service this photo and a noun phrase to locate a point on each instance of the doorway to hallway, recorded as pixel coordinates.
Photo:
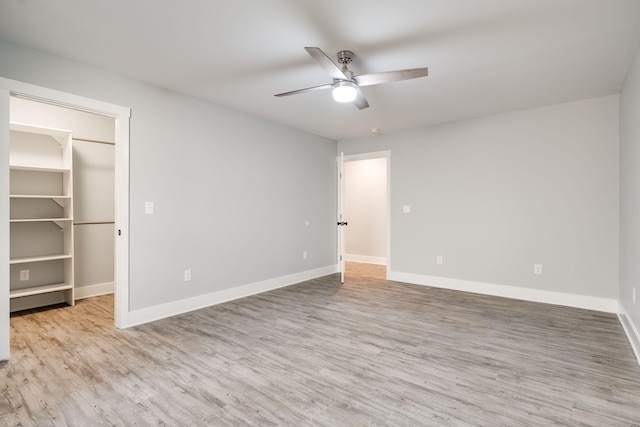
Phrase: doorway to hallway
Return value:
(366, 208)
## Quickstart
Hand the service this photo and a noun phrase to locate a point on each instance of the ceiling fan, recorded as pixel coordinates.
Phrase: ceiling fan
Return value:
(346, 86)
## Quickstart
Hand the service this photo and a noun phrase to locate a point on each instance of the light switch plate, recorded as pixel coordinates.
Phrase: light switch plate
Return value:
(148, 208)
(406, 209)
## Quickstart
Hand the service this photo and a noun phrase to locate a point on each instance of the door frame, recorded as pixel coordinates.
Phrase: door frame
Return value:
(121, 115)
(378, 155)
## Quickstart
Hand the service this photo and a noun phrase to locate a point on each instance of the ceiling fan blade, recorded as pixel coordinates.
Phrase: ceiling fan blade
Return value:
(326, 63)
(309, 89)
(360, 101)
(390, 76)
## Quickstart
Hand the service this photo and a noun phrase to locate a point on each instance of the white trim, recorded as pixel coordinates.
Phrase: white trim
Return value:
(121, 228)
(527, 294)
(630, 331)
(4, 226)
(379, 260)
(174, 308)
(82, 292)
(63, 99)
(340, 231)
(367, 156)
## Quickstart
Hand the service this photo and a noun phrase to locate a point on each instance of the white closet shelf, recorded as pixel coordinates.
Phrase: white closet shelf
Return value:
(41, 165)
(41, 220)
(37, 290)
(37, 196)
(39, 258)
(37, 168)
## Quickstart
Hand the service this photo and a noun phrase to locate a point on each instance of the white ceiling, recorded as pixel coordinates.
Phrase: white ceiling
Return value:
(484, 56)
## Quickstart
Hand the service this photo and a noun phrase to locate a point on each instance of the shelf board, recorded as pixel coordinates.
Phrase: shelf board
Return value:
(37, 290)
(42, 220)
(37, 196)
(42, 130)
(39, 258)
(37, 168)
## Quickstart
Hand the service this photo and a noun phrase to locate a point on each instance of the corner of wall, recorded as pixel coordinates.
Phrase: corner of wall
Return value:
(630, 330)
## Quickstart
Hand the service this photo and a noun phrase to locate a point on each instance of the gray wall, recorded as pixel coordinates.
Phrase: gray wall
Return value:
(82, 124)
(231, 191)
(630, 195)
(496, 195)
(93, 201)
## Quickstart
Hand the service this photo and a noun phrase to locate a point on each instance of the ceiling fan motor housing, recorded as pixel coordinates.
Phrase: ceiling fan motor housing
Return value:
(345, 57)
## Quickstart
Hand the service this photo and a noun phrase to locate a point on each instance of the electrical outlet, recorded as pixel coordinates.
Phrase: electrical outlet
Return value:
(439, 259)
(305, 255)
(24, 275)
(187, 275)
(537, 268)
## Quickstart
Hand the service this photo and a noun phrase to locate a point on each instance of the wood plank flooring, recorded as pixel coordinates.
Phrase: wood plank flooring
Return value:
(367, 353)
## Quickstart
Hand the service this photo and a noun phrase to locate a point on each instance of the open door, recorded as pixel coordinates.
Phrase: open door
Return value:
(341, 220)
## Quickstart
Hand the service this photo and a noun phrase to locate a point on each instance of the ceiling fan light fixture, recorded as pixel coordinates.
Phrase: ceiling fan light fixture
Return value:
(344, 91)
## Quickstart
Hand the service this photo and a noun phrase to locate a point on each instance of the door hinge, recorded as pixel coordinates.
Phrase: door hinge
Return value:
(342, 222)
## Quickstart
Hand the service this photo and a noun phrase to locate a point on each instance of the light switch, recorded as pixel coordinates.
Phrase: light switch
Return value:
(148, 208)
(406, 209)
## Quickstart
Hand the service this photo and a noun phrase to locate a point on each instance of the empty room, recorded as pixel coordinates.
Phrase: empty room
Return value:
(338, 213)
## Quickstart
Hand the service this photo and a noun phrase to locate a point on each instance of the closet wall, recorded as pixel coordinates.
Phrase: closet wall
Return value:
(365, 205)
(94, 184)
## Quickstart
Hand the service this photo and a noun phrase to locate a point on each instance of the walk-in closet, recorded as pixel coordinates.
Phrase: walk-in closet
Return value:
(62, 204)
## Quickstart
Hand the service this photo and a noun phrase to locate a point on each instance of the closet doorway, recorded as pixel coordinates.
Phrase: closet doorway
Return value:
(14, 88)
(93, 233)
(366, 208)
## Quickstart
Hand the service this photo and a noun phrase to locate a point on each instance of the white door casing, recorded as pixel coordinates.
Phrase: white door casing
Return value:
(341, 220)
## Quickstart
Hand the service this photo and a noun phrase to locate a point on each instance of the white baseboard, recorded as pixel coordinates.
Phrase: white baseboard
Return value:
(366, 259)
(526, 294)
(162, 311)
(631, 331)
(93, 290)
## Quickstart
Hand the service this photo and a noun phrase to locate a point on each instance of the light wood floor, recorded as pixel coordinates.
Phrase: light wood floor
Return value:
(370, 352)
